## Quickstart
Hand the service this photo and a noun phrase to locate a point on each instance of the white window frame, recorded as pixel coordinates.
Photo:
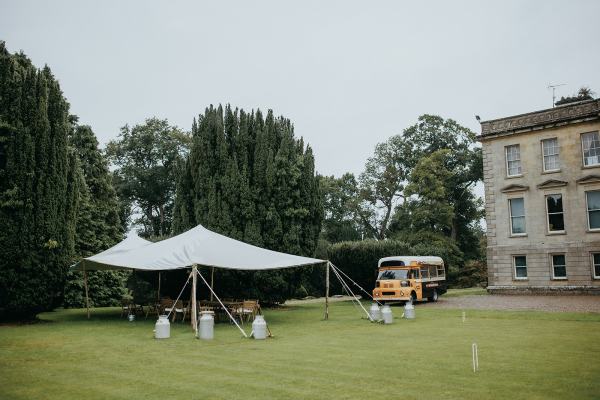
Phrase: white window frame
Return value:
(583, 151)
(587, 211)
(441, 271)
(554, 277)
(594, 276)
(520, 173)
(514, 263)
(510, 216)
(548, 214)
(557, 154)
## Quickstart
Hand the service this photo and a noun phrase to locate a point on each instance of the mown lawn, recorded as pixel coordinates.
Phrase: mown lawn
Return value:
(523, 355)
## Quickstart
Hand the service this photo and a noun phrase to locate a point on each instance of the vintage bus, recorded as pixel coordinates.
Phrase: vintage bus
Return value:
(402, 278)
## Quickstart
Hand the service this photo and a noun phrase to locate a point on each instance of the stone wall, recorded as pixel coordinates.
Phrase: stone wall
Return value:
(572, 181)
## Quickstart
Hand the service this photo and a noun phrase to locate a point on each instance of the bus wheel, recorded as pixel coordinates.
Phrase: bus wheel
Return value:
(434, 296)
(413, 297)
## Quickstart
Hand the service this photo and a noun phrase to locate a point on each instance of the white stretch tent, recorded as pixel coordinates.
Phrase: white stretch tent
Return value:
(131, 242)
(198, 246)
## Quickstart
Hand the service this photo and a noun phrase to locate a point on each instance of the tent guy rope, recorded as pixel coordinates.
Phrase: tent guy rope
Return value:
(222, 305)
(351, 293)
(355, 284)
(180, 293)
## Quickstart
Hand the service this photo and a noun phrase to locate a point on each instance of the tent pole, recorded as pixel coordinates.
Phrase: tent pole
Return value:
(194, 312)
(158, 291)
(87, 296)
(212, 281)
(327, 291)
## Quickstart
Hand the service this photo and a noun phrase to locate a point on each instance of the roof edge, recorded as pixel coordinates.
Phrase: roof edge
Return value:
(581, 111)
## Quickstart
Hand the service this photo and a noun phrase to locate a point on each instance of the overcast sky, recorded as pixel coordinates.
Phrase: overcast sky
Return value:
(348, 74)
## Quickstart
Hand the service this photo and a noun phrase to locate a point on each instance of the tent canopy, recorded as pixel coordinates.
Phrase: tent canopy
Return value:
(196, 246)
(131, 242)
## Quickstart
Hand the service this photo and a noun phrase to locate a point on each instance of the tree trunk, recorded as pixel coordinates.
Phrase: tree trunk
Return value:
(161, 213)
(384, 223)
(454, 231)
(150, 223)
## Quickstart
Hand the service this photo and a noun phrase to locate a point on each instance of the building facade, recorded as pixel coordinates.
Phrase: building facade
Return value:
(542, 195)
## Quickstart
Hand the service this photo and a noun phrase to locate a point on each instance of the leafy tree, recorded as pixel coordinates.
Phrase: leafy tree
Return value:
(40, 180)
(418, 189)
(383, 181)
(463, 163)
(147, 157)
(426, 195)
(381, 185)
(125, 204)
(340, 201)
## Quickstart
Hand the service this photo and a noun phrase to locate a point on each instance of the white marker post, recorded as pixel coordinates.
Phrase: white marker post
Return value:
(475, 357)
(464, 316)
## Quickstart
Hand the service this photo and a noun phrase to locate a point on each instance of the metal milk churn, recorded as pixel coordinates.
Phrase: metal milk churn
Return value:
(386, 313)
(409, 310)
(207, 325)
(374, 312)
(162, 328)
(259, 327)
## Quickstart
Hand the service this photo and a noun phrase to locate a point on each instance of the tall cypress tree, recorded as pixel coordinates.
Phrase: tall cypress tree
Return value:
(39, 188)
(248, 177)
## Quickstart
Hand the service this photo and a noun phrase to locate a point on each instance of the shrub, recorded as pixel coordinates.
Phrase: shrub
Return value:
(301, 292)
(105, 288)
(359, 260)
(474, 273)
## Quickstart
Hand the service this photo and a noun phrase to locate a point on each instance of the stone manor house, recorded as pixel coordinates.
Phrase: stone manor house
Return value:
(542, 195)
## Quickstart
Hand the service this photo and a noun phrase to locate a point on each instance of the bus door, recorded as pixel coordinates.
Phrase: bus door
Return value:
(416, 276)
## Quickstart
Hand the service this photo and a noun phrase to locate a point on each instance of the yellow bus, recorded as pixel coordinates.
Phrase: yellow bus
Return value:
(405, 278)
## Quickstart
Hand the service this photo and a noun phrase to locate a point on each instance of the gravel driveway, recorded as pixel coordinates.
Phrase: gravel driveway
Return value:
(513, 302)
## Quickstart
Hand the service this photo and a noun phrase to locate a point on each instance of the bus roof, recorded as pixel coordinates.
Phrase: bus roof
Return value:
(408, 260)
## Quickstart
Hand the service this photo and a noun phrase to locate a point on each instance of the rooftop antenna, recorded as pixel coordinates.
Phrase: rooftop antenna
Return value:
(553, 87)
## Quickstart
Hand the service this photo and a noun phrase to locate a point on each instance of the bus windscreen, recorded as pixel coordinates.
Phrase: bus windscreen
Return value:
(392, 274)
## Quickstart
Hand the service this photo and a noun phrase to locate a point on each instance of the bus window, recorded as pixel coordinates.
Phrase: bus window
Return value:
(432, 271)
(441, 271)
(414, 274)
(425, 272)
(392, 263)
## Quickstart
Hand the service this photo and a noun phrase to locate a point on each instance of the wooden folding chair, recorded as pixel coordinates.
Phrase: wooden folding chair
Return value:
(236, 310)
(249, 309)
(153, 309)
(125, 306)
(166, 306)
(187, 310)
(179, 308)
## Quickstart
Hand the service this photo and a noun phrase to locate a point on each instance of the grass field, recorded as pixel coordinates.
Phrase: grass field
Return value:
(523, 355)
